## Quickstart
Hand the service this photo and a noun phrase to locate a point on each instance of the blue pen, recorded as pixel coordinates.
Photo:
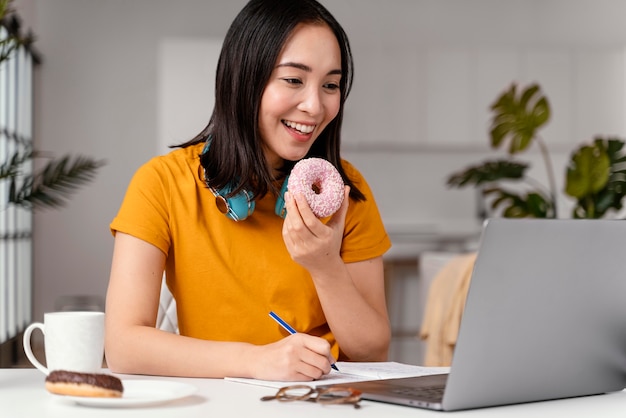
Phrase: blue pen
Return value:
(290, 329)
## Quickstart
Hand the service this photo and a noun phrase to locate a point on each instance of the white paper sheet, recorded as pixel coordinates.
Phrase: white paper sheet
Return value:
(353, 372)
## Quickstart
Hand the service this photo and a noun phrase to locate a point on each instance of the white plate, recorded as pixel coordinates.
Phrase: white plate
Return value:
(140, 393)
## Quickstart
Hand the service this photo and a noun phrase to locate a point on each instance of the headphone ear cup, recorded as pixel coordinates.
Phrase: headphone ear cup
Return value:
(240, 206)
(280, 209)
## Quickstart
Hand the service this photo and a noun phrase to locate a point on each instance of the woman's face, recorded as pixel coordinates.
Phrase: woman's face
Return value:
(302, 95)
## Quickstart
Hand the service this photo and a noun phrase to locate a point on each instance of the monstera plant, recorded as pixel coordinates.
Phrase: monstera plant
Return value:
(595, 176)
(52, 184)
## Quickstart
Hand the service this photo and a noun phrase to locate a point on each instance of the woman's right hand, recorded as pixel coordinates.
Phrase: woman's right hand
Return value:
(134, 345)
(298, 357)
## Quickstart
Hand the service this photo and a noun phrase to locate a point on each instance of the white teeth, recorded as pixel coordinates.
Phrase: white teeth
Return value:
(306, 129)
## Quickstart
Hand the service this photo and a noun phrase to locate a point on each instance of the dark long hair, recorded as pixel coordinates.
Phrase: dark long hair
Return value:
(247, 59)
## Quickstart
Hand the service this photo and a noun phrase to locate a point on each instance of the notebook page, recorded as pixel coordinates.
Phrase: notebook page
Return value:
(353, 372)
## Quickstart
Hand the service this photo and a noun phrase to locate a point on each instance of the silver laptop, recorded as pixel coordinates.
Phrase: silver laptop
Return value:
(545, 318)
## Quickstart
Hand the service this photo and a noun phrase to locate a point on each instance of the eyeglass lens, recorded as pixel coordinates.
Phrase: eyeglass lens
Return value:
(333, 395)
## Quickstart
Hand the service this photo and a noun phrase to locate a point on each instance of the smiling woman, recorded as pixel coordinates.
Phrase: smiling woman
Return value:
(283, 75)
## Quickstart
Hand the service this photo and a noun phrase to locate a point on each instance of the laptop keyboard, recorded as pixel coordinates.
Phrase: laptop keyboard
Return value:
(430, 393)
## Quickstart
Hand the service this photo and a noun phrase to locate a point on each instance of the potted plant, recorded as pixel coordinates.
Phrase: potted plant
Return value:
(51, 185)
(27, 186)
(595, 175)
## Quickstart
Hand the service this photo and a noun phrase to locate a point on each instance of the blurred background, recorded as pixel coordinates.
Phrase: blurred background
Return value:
(120, 80)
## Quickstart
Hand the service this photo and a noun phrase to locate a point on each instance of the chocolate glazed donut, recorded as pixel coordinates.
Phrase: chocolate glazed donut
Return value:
(62, 382)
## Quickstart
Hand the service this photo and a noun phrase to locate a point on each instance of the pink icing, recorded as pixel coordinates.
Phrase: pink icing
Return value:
(320, 182)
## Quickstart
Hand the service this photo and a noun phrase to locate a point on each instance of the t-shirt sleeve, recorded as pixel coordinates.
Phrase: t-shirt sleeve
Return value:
(365, 236)
(144, 211)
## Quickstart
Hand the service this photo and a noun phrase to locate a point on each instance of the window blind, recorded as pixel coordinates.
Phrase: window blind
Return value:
(16, 125)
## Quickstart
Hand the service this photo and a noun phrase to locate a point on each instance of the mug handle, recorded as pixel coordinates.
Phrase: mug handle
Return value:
(28, 350)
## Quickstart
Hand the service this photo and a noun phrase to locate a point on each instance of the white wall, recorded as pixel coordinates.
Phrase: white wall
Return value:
(426, 70)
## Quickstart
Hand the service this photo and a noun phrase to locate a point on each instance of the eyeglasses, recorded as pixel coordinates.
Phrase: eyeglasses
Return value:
(326, 396)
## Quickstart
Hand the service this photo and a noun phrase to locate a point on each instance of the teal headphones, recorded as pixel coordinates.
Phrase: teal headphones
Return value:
(241, 205)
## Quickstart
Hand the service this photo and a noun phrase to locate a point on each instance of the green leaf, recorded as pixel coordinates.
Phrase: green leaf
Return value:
(605, 201)
(596, 203)
(527, 95)
(541, 112)
(514, 205)
(489, 171)
(588, 171)
(498, 133)
(520, 141)
(53, 185)
(613, 147)
(518, 119)
(538, 206)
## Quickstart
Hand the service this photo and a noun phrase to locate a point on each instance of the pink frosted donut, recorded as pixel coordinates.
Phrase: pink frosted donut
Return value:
(321, 184)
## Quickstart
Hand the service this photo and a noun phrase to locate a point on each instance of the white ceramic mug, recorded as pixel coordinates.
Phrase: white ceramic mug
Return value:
(73, 341)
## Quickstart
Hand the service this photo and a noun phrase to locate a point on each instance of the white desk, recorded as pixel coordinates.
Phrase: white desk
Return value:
(22, 395)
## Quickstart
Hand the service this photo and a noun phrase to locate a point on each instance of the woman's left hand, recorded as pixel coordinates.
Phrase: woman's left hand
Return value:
(311, 243)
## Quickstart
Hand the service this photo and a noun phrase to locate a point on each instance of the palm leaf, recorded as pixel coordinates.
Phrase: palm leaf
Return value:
(51, 186)
(11, 168)
(13, 39)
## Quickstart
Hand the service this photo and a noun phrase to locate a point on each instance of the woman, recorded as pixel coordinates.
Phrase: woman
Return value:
(283, 76)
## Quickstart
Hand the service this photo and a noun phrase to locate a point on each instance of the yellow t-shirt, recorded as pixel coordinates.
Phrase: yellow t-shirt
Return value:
(227, 276)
